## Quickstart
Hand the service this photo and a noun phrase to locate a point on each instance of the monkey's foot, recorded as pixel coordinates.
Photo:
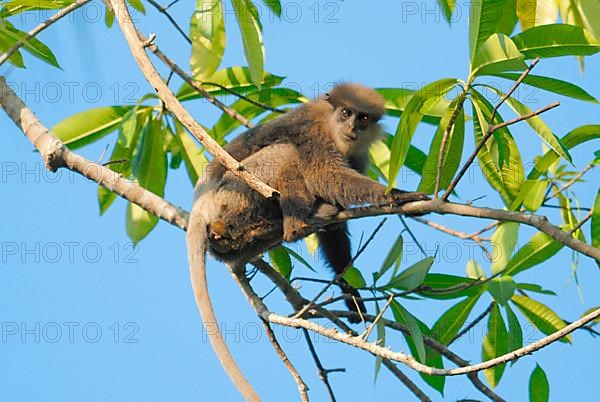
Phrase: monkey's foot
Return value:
(217, 230)
(293, 228)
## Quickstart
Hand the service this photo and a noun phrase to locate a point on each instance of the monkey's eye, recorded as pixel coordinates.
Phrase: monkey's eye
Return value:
(346, 112)
(363, 118)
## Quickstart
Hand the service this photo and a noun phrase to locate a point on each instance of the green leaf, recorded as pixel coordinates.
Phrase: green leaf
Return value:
(14, 7)
(137, 5)
(396, 100)
(416, 327)
(281, 260)
(551, 84)
(539, 126)
(402, 316)
(536, 191)
(595, 227)
(411, 277)
(503, 145)
(474, 271)
(138, 222)
(32, 45)
(207, 32)
(494, 344)
(249, 23)
(453, 151)
(515, 333)
(417, 106)
(574, 138)
(589, 311)
(380, 156)
(150, 170)
(16, 59)
(501, 289)
(274, 5)
(490, 171)
(271, 96)
(535, 12)
(236, 79)
(123, 151)
(532, 287)
(394, 255)
(447, 8)
(487, 18)
(355, 278)
(583, 13)
(497, 54)
(448, 325)
(86, 127)
(537, 250)
(503, 243)
(440, 282)
(539, 389)
(542, 317)
(556, 40)
(194, 159)
(298, 258)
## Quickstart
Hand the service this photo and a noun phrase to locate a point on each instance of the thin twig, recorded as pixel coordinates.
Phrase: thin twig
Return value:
(435, 345)
(35, 31)
(572, 181)
(341, 274)
(164, 93)
(514, 87)
(368, 331)
(302, 387)
(472, 323)
(490, 131)
(456, 233)
(192, 83)
(321, 371)
(412, 235)
(412, 387)
(163, 10)
(243, 97)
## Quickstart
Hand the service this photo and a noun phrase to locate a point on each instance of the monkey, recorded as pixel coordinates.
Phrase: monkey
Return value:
(314, 155)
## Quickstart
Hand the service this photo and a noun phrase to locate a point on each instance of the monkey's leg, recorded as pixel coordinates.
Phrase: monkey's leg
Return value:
(334, 242)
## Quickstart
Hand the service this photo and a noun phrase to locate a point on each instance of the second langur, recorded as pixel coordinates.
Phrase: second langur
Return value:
(314, 155)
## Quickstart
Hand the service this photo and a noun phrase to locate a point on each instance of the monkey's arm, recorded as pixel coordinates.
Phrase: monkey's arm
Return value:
(339, 184)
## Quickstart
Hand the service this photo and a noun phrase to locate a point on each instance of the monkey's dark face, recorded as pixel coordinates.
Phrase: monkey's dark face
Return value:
(355, 120)
(354, 130)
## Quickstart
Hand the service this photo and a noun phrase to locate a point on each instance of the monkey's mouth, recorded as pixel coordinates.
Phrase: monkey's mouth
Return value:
(350, 136)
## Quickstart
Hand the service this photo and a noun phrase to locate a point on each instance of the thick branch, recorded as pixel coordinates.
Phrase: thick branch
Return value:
(192, 83)
(57, 155)
(172, 103)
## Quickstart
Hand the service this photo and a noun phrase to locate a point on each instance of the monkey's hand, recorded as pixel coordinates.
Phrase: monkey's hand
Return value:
(400, 197)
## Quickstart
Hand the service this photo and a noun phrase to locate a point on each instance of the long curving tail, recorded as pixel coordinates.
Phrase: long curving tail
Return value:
(196, 245)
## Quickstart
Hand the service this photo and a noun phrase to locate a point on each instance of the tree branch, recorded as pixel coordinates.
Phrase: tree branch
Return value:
(172, 103)
(192, 83)
(57, 155)
(302, 387)
(35, 31)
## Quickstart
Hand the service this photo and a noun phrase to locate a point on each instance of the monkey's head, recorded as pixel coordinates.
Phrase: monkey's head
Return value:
(357, 111)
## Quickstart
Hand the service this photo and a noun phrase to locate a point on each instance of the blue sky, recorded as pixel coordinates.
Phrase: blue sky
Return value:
(86, 317)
